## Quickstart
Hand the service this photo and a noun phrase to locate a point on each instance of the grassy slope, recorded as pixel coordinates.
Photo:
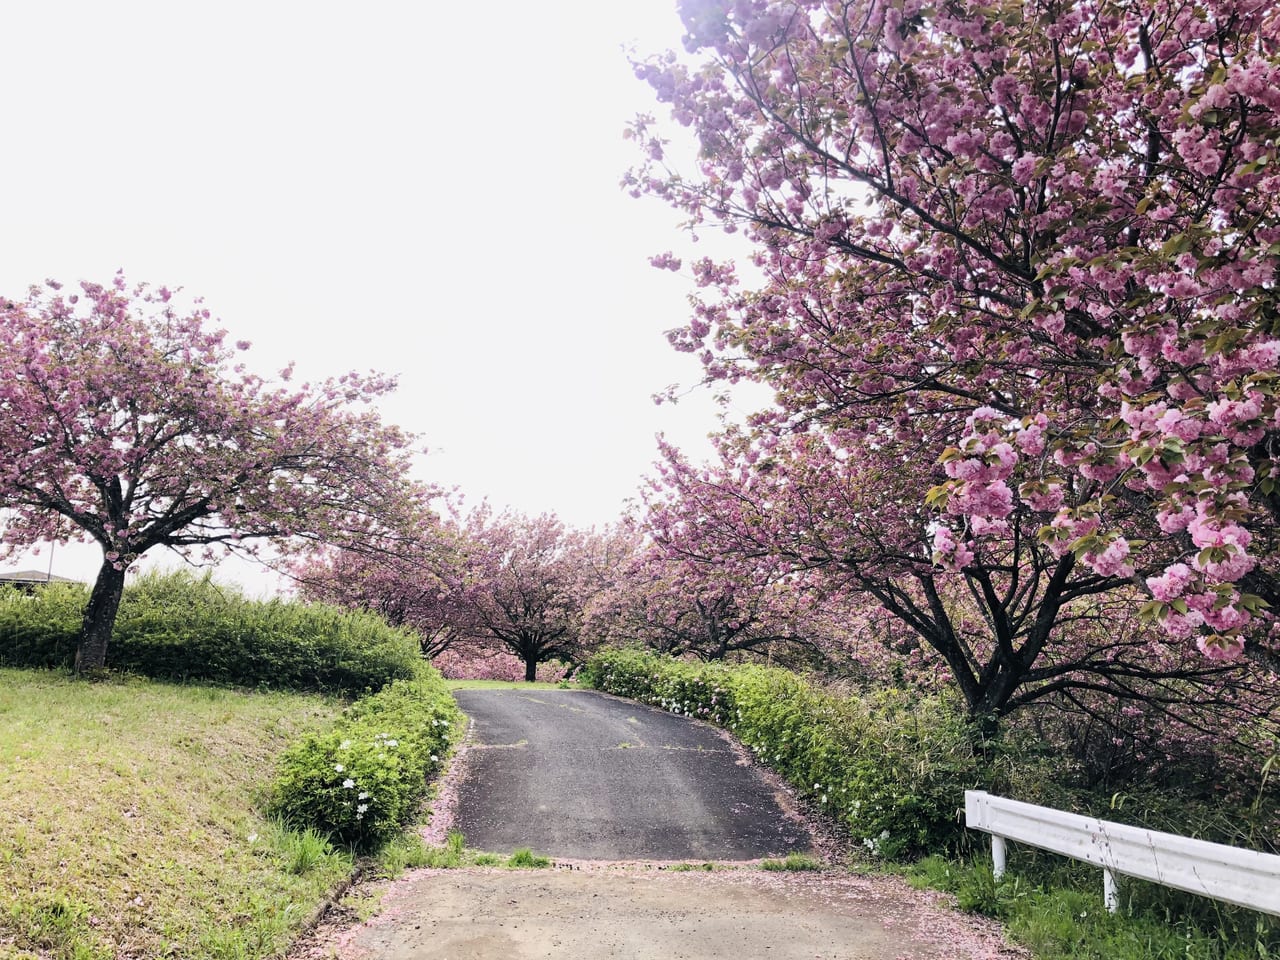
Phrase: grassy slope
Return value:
(129, 809)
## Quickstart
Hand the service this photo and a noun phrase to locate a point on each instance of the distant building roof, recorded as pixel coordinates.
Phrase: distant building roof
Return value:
(33, 576)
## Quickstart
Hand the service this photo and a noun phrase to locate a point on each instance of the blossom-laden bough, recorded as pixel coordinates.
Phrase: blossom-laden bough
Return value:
(1037, 242)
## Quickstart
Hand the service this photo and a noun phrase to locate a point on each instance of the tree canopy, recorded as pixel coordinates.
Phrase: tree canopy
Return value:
(127, 420)
(482, 584)
(1036, 243)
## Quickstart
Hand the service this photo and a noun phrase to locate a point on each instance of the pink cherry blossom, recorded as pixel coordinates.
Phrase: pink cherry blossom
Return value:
(1067, 298)
(126, 421)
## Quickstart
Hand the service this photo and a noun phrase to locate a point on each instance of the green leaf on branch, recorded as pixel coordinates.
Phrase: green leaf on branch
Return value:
(1152, 609)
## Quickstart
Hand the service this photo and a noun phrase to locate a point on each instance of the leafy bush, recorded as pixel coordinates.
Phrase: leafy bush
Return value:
(40, 629)
(179, 627)
(892, 767)
(359, 781)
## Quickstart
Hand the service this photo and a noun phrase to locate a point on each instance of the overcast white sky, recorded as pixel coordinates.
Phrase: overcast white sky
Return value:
(425, 189)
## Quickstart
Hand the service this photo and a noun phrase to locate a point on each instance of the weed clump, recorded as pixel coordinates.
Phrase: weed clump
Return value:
(526, 858)
(792, 863)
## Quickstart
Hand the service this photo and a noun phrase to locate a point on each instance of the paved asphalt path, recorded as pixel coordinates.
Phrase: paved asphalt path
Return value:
(581, 775)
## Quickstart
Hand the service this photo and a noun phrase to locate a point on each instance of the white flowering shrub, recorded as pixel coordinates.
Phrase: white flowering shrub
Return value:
(361, 780)
(699, 690)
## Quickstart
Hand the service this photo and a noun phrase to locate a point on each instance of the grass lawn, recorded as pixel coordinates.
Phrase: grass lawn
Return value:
(131, 824)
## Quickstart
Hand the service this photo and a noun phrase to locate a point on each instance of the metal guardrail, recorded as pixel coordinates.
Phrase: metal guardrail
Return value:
(1243, 877)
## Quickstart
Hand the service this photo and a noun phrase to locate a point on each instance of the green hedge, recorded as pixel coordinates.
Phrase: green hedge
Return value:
(892, 767)
(180, 627)
(359, 781)
(40, 629)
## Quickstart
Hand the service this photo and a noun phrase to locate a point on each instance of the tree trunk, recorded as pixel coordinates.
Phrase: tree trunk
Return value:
(530, 669)
(99, 619)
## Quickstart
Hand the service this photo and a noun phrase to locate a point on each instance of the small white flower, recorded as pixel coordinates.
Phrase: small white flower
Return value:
(434, 758)
(253, 838)
(362, 808)
(345, 745)
(348, 783)
(393, 743)
(339, 767)
(363, 796)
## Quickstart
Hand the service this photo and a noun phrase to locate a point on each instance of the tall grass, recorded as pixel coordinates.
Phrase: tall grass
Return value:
(131, 823)
(1054, 906)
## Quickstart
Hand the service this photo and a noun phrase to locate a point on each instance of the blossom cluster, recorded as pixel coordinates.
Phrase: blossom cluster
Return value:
(958, 240)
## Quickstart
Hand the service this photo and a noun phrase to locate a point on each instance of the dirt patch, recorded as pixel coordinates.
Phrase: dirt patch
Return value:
(649, 911)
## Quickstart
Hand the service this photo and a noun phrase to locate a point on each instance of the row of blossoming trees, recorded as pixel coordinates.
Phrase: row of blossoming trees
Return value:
(480, 587)
(127, 420)
(1013, 286)
(1015, 290)
(488, 586)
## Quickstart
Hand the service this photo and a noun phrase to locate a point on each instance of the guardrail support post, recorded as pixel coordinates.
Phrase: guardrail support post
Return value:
(1109, 895)
(997, 856)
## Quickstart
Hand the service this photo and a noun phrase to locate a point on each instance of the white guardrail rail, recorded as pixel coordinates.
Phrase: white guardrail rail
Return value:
(1243, 877)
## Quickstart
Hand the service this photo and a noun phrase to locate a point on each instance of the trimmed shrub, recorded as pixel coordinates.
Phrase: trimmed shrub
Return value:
(40, 629)
(179, 627)
(361, 780)
(892, 767)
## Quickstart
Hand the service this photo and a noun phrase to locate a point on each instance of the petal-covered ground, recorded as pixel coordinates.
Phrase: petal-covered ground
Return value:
(650, 912)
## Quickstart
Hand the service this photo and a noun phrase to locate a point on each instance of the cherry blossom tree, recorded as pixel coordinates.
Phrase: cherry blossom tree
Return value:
(1011, 628)
(679, 606)
(481, 589)
(1039, 239)
(417, 586)
(126, 420)
(526, 581)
